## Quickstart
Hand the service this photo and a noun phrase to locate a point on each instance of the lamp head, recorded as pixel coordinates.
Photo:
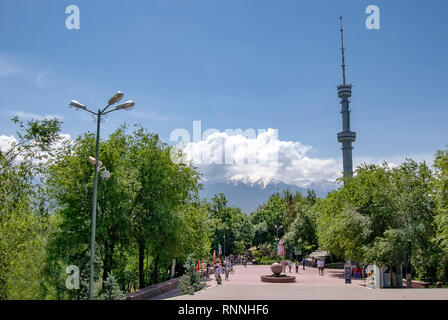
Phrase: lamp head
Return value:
(128, 105)
(92, 161)
(117, 97)
(76, 105)
(105, 174)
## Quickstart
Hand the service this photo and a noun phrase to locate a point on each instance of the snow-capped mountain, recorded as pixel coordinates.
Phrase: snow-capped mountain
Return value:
(248, 195)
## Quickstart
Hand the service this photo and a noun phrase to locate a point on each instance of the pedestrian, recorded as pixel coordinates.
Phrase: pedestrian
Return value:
(208, 270)
(218, 271)
(319, 266)
(303, 262)
(245, 262)
(227, 270)
(322, 267)
(289, 265)
(297, 265)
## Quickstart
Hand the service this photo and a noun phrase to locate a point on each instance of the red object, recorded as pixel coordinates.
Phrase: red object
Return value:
(281, 249)
(199, 267)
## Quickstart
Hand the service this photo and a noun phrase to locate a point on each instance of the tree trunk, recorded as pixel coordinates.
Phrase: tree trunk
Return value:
(156, 269)
(141, 264)
(394, 277)
(408, 275)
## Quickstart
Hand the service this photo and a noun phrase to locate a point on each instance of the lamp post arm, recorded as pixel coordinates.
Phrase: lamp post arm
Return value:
(91, 111)
(108, 111)
(102, 111)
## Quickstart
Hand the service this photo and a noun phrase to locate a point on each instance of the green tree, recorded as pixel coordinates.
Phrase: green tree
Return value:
(165, 187)
(301, 233)
(70, 184)
(111, 290)
(23, 228)
(381, 214)
(439, 260)
(231, 223)
(273, 213)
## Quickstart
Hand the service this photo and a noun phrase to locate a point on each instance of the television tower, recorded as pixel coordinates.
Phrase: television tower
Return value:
(346, 137)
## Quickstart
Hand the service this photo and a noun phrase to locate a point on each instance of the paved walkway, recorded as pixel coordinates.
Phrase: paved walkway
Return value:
(245, 284)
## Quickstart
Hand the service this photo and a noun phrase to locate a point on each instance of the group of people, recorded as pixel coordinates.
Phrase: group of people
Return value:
(297, 263)
(319, 263)
(224, 267)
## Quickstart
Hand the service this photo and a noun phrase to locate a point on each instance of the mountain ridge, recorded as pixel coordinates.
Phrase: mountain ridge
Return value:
(248, 197)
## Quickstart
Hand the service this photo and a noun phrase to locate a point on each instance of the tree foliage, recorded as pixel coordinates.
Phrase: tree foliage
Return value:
(23, 227)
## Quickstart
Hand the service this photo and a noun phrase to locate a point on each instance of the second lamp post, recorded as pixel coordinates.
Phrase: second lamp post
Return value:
(76, 105)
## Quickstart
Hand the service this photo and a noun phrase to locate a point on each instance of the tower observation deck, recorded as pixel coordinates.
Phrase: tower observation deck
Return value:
(346, 136)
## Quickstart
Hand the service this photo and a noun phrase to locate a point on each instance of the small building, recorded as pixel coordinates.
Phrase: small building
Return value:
(380, 277)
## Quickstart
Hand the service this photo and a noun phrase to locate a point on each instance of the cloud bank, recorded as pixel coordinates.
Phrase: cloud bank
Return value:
(263, 159)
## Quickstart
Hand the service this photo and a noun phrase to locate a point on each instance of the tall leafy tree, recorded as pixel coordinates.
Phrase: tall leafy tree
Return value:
(381, 214)
(70, 183)
(165, 186)
(231, 224)
(440, 186)
(23, 228)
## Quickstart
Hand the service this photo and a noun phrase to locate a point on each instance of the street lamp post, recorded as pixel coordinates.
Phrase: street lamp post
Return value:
(76, 105)
(224, 246)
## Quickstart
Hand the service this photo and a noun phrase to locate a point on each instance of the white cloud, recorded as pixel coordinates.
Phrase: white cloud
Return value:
(11, 68)
(6, 142)
(30, 115)
(276, 160)
(7, 68)
(261, 159)
(147, 115)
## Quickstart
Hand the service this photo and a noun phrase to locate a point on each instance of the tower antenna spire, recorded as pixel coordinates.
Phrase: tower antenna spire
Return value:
(342, 50)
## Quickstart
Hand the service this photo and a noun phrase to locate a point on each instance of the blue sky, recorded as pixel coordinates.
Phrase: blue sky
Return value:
(235, 64)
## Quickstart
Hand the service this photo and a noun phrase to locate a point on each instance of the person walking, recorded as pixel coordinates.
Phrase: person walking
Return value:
(227, 270)
(303, 263)
(319, 266)
(245, 262)
(297, 265)
(218, 271)
(289, 265)
(208, 269)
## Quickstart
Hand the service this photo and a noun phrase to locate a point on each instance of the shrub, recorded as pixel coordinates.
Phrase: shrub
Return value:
(191, 277)
(112, 290)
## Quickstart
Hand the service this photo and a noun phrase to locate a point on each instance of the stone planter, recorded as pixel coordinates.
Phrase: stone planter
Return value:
(218, 280)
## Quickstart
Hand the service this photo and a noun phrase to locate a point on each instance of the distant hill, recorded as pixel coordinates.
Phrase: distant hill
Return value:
(249, 197)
